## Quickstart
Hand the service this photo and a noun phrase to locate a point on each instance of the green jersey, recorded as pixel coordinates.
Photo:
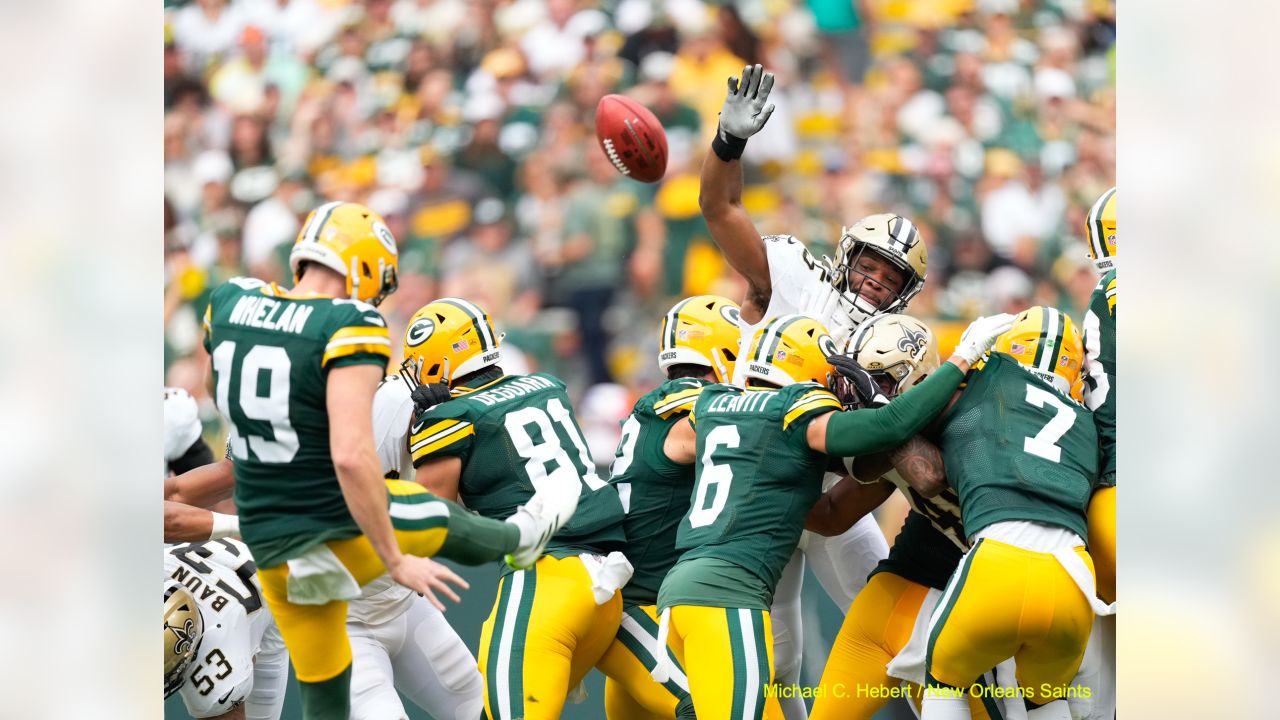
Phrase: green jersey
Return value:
(1100, 369)
(756, 480)
(655, 491)
(1016, 448)
(512, 435)
(271, 356)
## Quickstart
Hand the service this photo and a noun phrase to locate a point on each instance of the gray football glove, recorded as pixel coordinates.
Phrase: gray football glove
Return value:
(745, 111)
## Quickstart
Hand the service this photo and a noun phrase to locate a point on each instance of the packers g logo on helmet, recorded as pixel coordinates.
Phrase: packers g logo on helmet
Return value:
(897, 350)
(892, 237)
(701, 330)
(183, 628)
(447, 339)
(1047, 343)
(790, 349)
(1100, 229)
(418, 332)
(351, 240)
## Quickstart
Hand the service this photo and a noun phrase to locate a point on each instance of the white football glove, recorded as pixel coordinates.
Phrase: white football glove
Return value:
(981, 335)
(745, 111)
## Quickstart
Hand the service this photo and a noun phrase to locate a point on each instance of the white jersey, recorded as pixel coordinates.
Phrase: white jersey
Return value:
(943, 509)
(384, 598)
(791, 268)
(181, 423)
(221, 576)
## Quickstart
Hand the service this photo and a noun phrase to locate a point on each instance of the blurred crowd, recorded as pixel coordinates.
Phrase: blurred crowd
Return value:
(468, 124)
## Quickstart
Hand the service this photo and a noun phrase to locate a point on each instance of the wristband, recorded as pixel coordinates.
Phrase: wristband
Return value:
(727, 147)
(224, 526)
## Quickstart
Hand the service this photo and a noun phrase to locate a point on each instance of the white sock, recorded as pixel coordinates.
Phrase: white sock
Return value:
(945, 704)
(1056, 710)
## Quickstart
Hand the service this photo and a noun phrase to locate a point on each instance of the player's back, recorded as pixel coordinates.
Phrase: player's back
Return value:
(221, 576)
(655, 491)
(512, 435)
(757, 478)
(271, 354)
(1016, 448)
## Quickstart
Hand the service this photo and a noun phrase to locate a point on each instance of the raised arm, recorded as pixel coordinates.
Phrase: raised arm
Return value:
(720, 194)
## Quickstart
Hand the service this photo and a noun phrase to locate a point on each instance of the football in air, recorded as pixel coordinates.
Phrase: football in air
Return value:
(632, 138)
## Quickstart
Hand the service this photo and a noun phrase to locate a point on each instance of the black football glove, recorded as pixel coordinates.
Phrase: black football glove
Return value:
(429, 395)
(855, 386)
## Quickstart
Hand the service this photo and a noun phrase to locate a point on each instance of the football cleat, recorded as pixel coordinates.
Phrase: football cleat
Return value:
(1100, 229)
(353, 241)
(539, 519)
(898, 351)
(701, 330)
(891, 237)
(183, 628)
(447, 339)
(790, 349)
(1046, 341)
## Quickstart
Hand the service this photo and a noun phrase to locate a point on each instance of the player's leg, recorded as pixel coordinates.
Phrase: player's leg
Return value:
(528, 643)
(842, 563)
(434, 668)
(373, 695)
(630, 690)
(975, 626)
(270, 676)
(727, 658)
(316, 636)
(788, 635)
(1102, 540)
(1056, 620)
(877, 626)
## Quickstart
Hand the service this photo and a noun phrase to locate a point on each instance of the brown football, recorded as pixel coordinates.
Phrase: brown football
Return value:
(632, 138)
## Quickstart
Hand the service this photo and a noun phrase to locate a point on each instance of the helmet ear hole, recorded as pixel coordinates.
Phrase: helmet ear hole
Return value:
(364, 269)
(731, 355)
(434, 369)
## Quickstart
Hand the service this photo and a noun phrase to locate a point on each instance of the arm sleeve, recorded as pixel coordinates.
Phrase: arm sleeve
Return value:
(867, 431)
(1100, 373)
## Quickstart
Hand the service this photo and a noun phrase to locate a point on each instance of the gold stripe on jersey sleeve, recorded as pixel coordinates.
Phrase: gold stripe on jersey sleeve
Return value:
(1111, 297)
(340, 351)
(819, 399)
(428, 442)
(369, 333)
(681, 401)
(208, 317)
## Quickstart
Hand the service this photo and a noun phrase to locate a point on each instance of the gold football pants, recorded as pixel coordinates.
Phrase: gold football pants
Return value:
(727, 654)
(316, 635)
(878, 625)
(630, 692)
(1004, 601)
(1102, 540)
(544, 634)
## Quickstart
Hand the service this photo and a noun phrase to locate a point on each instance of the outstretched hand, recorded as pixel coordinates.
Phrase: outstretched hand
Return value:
(745, 110)
(426, 577)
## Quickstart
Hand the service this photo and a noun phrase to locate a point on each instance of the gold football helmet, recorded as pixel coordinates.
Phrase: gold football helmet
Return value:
(352, 240)
(701, 330)
(1046, 341)
(183, 627)
(1100, 229)
(790, 349)
(447, 339)
(892, 237)
(897, 350)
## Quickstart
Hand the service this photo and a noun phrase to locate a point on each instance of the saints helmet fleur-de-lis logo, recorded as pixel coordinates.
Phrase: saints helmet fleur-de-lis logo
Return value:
(185, 636)
(912, 341)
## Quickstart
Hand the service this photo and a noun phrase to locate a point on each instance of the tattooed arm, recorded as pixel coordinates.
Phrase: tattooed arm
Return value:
(919, 462)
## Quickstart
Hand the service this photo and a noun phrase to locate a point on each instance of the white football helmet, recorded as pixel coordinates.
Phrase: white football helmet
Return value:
(891, 237)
